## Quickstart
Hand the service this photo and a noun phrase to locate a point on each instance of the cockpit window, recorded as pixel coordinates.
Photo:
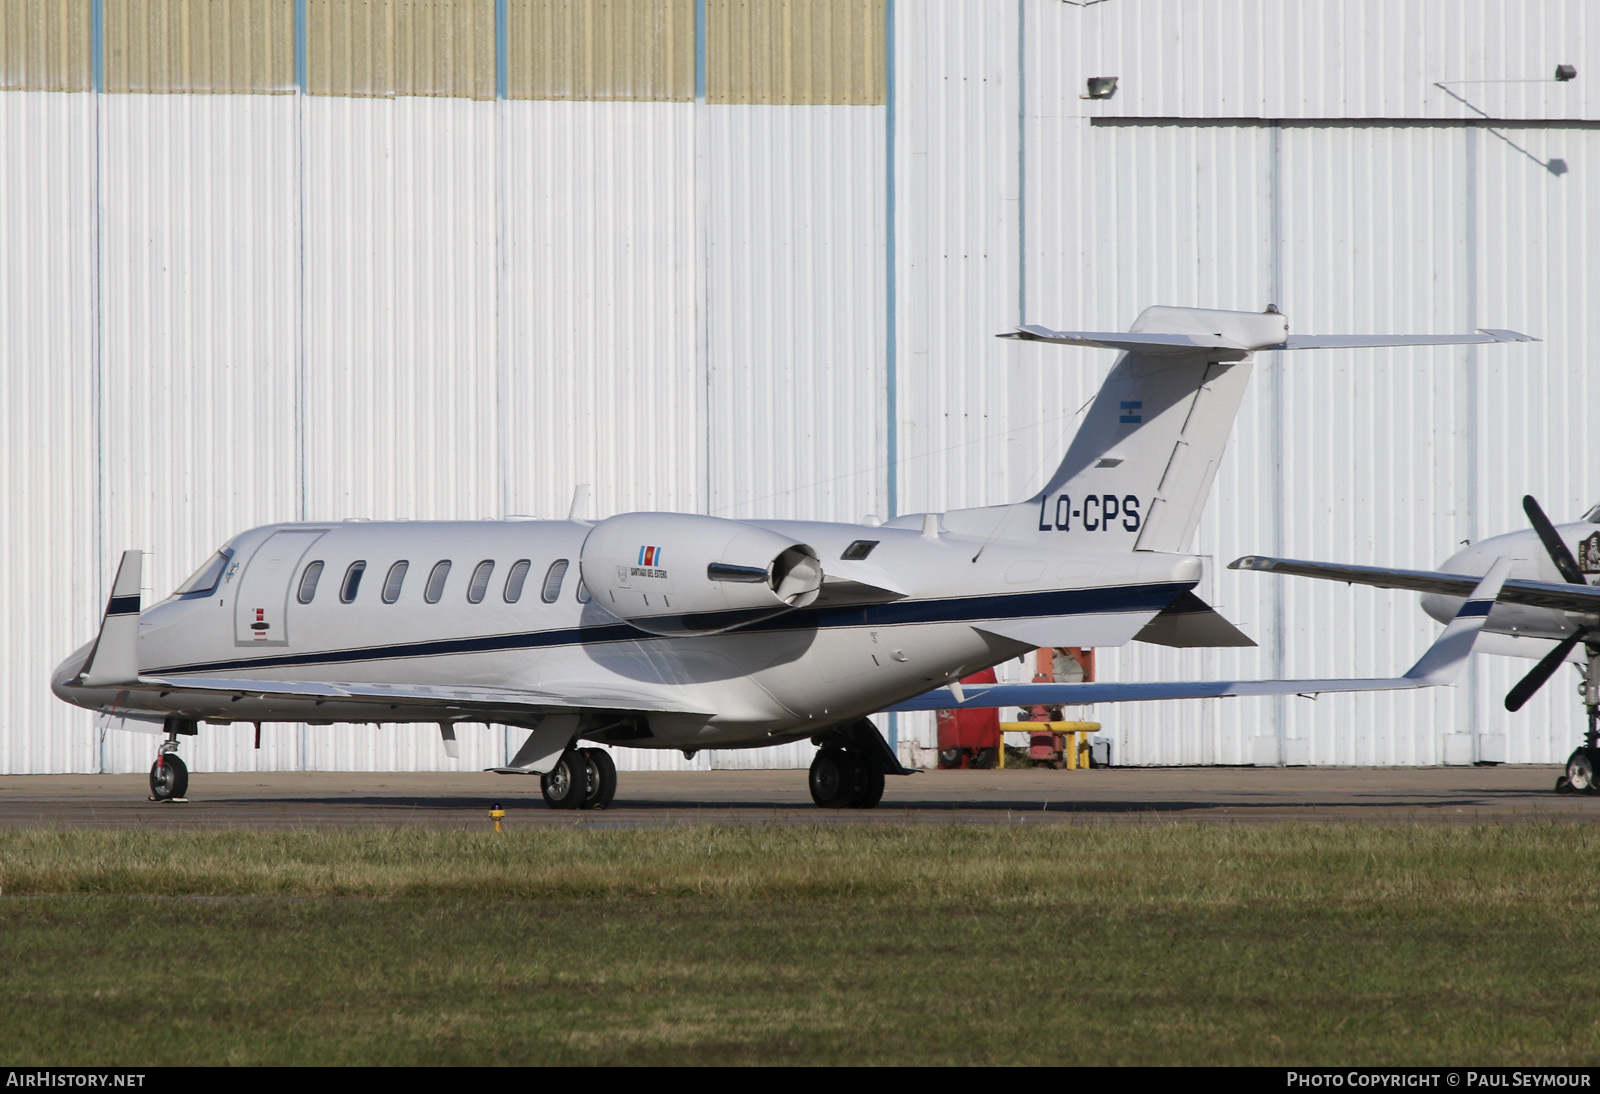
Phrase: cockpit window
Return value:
(1593, 515)
(205, 580)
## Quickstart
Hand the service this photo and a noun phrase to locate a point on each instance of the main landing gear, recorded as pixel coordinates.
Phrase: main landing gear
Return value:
(849, 769)
(169, 776)
(845, 780)
(584, 778)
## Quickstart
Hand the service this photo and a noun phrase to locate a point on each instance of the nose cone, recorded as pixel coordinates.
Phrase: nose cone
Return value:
(68, 671)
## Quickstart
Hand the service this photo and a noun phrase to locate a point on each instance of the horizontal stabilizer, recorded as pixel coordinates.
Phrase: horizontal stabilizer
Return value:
(115, 657)
(1440, 664)
(1189, 622)
(1379, 341)
(1155, 344)
(1555, 595)
(1130, 343)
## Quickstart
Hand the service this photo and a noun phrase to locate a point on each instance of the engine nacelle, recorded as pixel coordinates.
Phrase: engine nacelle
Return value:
(677, 573)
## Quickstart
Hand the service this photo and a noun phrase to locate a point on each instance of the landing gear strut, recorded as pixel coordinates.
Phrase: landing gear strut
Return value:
(1583, 766)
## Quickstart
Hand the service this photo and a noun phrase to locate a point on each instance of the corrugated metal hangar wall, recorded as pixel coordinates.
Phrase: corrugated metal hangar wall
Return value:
(299, 259)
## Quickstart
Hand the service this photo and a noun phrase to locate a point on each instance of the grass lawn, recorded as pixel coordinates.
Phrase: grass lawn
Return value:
(834, 944)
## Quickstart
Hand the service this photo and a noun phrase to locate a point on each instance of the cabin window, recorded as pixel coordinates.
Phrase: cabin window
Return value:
(352, 581)
(392, 582)
(859, 550)
(308, 582)
(435, 587)
(480, 581)
(515, 579)
(552, 580)
(204, 581)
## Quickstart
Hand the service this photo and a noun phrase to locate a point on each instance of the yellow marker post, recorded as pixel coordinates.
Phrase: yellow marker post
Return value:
(496, 814)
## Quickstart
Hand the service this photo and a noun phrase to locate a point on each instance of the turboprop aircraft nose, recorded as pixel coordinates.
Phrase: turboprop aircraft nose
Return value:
(69, 670)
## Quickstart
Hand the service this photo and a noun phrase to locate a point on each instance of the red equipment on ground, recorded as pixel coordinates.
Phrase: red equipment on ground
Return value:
(972, 738)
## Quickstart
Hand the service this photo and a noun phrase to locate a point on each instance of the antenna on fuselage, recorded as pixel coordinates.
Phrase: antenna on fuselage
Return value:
(580, 504)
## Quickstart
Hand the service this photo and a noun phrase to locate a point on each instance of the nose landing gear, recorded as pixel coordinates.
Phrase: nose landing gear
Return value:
(1583, 766)
(169, 776)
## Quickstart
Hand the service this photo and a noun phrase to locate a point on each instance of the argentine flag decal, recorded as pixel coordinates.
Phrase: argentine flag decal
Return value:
(1131, 412)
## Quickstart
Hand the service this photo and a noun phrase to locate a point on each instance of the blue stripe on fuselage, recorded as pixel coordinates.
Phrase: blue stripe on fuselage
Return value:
(1059, 602)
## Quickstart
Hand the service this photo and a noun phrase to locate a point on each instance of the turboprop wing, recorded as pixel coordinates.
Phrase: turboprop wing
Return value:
(1559, 596)
(1441, 664)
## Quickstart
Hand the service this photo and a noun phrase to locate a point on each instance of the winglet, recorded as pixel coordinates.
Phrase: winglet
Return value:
(1445, 659)
(115, 657)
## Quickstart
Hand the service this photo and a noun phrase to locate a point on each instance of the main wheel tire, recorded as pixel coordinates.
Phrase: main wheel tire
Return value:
(169, 778)
(871, 790)
(567, 784)
(949, 758)
(984, 759)
(836, 778)
(1581, 769)
(604, 785)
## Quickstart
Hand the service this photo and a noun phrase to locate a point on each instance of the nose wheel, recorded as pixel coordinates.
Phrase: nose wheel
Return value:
(169, 778)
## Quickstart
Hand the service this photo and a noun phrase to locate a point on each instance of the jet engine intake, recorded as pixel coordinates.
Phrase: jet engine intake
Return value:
(676, 573)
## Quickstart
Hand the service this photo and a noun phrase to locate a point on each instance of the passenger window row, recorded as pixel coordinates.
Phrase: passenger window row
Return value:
(433, 591)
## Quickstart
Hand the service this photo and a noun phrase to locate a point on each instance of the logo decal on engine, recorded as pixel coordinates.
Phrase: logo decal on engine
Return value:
(649, 563)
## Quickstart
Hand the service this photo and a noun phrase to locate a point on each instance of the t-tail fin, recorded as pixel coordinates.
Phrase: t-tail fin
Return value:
(1137, 473)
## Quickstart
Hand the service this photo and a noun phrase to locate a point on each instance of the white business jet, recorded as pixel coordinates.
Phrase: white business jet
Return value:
(1548, 609)
(672, 630)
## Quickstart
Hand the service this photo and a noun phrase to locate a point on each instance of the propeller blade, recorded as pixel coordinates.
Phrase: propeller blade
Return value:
(1541, 672)
(1559, 554)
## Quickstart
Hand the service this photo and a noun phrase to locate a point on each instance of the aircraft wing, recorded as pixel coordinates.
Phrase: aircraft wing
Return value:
(441, 698)
(1556, 595)
(1441, 664)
